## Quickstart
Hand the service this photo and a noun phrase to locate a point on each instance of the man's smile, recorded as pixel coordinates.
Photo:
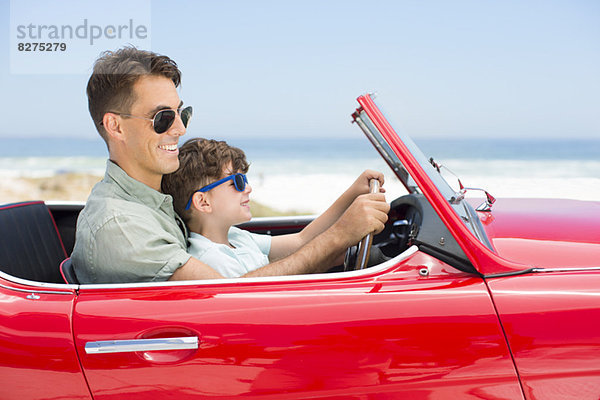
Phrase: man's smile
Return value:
(168, 147)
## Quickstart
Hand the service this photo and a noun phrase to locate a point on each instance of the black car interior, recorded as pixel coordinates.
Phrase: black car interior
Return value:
(31, 246)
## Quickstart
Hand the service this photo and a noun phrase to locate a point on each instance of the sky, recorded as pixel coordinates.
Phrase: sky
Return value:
(451, 69)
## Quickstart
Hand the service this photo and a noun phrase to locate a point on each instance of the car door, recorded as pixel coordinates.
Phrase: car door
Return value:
(37, 353)
(551, 320)
(413, 326)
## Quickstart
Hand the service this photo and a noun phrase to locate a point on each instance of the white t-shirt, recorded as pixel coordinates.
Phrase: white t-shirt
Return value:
(251, 252)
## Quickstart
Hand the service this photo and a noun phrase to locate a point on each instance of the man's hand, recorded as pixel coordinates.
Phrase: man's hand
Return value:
(367, 214)
(361, 185)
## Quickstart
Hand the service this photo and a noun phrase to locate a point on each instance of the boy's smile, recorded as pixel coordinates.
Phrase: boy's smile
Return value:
(229, 203)
(228, 206)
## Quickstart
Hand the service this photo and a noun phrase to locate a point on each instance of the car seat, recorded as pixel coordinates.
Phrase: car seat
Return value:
(30, 245)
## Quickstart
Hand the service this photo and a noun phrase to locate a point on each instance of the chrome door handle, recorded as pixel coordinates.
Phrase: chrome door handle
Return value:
(124, 346)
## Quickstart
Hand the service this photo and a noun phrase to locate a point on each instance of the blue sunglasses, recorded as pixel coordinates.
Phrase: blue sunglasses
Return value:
(239, 181)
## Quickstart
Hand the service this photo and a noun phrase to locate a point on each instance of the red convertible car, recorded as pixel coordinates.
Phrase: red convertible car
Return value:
(460, 300)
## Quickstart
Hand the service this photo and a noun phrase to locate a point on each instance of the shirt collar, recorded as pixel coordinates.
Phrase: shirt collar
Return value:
(135, 190)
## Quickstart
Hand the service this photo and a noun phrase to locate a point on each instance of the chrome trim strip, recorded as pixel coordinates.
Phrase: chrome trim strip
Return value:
(33, 291)
(58, 204)
(126, 346)
(279, 279)
(35, 284)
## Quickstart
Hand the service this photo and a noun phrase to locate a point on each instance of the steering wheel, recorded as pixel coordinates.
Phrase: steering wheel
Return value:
(408, 217)
(407, 229)
(362, 250)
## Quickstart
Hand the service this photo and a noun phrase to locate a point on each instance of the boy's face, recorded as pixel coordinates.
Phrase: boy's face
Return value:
(228, 204)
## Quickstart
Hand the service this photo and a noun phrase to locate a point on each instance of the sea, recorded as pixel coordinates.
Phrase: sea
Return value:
(307, 174)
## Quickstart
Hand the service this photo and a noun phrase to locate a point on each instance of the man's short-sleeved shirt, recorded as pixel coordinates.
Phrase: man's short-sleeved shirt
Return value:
(250, 251)
(127, 232)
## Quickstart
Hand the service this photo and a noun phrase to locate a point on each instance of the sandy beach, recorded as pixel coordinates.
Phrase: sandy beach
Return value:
(302, 194)
(77, 187)
(61, 187)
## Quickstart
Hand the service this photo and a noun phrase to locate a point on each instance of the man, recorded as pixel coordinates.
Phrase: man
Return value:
(128, 230)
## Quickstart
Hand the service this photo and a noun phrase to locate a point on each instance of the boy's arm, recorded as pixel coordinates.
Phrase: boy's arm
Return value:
(284, 245)
(367, 214)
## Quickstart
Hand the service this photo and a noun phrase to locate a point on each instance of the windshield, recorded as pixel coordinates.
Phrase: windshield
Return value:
(456, 199)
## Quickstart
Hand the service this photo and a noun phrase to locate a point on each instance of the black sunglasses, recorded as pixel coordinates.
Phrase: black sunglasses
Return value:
(163, 119)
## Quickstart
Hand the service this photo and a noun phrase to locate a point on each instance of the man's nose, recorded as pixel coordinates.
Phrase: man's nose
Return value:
(177, 129)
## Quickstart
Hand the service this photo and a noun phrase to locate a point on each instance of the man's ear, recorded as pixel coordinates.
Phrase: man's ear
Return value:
(112, 126)
(201, 202)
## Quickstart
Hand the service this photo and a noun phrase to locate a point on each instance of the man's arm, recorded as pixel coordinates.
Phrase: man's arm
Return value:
(284, 245)
(368, 213)
(194, 269)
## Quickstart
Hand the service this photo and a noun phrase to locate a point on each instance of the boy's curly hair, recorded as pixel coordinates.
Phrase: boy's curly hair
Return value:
(201, 162)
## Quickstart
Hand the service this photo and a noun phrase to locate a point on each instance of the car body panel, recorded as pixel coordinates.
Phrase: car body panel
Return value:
(551, 320)
(387, 334)
(546, 233)
(37, 354)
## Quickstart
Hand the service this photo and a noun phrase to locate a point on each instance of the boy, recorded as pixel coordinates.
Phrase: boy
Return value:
(211, 194)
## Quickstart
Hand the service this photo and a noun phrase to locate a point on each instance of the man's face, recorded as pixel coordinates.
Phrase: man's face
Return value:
(151, 155)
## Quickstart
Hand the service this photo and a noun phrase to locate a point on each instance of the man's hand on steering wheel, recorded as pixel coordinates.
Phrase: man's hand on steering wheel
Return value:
(357, 257)
(367, 214)
(362, 185)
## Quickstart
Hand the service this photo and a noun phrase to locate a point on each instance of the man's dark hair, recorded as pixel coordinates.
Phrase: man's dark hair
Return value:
(110, 88)
(201, 162)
